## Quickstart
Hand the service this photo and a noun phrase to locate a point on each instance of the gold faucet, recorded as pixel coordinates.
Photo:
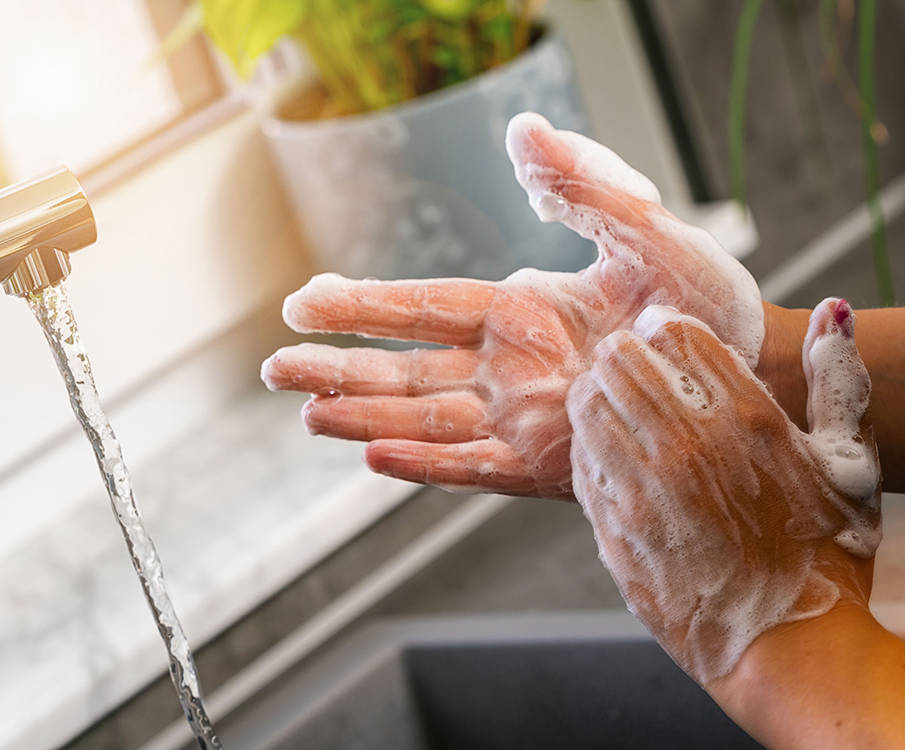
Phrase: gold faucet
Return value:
(41, 222)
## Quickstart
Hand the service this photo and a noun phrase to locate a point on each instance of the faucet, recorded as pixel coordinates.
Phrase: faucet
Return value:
(41, 222)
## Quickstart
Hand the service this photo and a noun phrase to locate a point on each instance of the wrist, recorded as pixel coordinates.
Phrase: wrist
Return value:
(830, 681)
(779, 365)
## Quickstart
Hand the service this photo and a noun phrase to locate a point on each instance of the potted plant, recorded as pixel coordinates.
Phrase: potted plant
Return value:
(394, 157)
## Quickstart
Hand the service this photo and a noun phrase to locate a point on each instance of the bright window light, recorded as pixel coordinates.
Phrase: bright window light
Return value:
(77, 83)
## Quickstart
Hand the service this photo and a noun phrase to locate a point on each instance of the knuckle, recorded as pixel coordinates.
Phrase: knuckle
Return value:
(758, 416)
(581, 392)
(615, 347)
(684, 334)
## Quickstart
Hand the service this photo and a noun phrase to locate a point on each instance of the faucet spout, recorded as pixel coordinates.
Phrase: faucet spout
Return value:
(41, 222)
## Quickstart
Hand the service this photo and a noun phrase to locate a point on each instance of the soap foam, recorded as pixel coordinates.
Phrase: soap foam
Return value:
(540, 327)
(838, 397)
(643, 249)
(711, 519)
(587, 156)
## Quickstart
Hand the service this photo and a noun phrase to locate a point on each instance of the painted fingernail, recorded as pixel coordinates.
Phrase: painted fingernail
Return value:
(844, 318)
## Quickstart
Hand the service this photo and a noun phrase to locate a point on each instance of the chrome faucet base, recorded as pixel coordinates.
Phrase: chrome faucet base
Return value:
(41, 222)
(40, 269)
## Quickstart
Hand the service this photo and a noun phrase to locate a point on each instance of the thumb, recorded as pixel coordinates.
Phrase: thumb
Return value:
(567, 175)
(838, 383)
(838, 397)
(647, 255)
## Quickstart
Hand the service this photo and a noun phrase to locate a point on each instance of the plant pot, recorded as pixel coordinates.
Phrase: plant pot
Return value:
(425, 188)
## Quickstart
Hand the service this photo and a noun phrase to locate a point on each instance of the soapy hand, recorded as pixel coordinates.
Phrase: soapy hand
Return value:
(717, 517)
(489, 412)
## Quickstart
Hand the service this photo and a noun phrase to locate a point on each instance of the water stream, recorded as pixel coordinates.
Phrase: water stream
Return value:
(51, 308)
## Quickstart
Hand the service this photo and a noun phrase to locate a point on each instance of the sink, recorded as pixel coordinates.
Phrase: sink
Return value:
(574, 680)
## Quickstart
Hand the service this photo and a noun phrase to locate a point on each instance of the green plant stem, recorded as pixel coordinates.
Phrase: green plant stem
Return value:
(834, 62)
(866, 29)
(527, 15)
(738, 92)
(799, 71)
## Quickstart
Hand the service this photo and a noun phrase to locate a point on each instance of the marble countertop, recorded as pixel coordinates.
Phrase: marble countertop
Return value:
(237, 509)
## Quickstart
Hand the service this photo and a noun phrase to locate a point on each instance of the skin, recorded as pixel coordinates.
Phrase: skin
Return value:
(833, 680)
(880, 337)
(401, 403)
(713, 503)
(489, 413)
(828, 681)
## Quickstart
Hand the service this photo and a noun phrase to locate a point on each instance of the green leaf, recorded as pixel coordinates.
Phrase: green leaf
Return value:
(867, 21)
(189, 24)
(450, 10)
(444, 57)
(246, 29)
(738, 92)
(498, 28)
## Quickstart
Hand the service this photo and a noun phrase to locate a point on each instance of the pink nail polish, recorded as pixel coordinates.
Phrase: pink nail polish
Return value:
(844, 318)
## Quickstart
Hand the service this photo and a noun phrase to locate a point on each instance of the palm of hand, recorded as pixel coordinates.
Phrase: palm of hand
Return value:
(489, 414)
(539, 333)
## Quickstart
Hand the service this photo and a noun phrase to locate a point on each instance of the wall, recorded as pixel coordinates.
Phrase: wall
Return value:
(187, 249)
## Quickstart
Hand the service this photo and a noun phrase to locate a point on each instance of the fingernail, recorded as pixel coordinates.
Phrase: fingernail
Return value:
(295, 305)
(291, 306)
(309, 417)
(520, 143)
(844, 318)
(268, 372)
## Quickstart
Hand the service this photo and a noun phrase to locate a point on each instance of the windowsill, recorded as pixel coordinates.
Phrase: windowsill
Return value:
(104, 177)
(238, 508)
(188, 248)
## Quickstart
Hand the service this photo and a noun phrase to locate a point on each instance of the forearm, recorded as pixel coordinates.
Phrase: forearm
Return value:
(880, 335)
(836, 680)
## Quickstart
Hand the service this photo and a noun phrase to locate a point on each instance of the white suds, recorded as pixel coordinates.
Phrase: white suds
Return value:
(643, 248)
(707, 503)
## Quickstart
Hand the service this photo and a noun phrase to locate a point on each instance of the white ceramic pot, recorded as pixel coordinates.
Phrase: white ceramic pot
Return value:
(425, 188)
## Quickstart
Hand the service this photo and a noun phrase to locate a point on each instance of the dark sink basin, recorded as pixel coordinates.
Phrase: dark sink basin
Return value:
(529, 682)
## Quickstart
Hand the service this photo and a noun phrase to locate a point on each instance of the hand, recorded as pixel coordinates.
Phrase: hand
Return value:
(717, 517)
(489, 413)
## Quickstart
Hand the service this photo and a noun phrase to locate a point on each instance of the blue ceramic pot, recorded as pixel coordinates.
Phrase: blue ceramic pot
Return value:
(425, 188)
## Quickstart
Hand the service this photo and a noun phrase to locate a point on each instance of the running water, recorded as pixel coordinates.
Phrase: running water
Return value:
(51, 308)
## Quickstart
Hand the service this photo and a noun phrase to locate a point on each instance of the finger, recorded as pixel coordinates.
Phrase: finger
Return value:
(545, 159)
(609, 499)
(600, 430)
(701, 368)
(573, 180)
(838, 397)
(317, 368)
(481, 465)
(450, 418)
(444, 311)
(593, 497)
(651, 255)
(636, 384)
(838, 383)
(588, 481)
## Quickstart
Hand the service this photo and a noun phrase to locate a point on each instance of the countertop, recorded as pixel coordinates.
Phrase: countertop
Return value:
(237, 509)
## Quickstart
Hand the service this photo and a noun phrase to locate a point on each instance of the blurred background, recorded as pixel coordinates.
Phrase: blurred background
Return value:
(232, 148)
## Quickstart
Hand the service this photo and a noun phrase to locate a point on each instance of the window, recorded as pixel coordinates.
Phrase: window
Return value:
(93, 87)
